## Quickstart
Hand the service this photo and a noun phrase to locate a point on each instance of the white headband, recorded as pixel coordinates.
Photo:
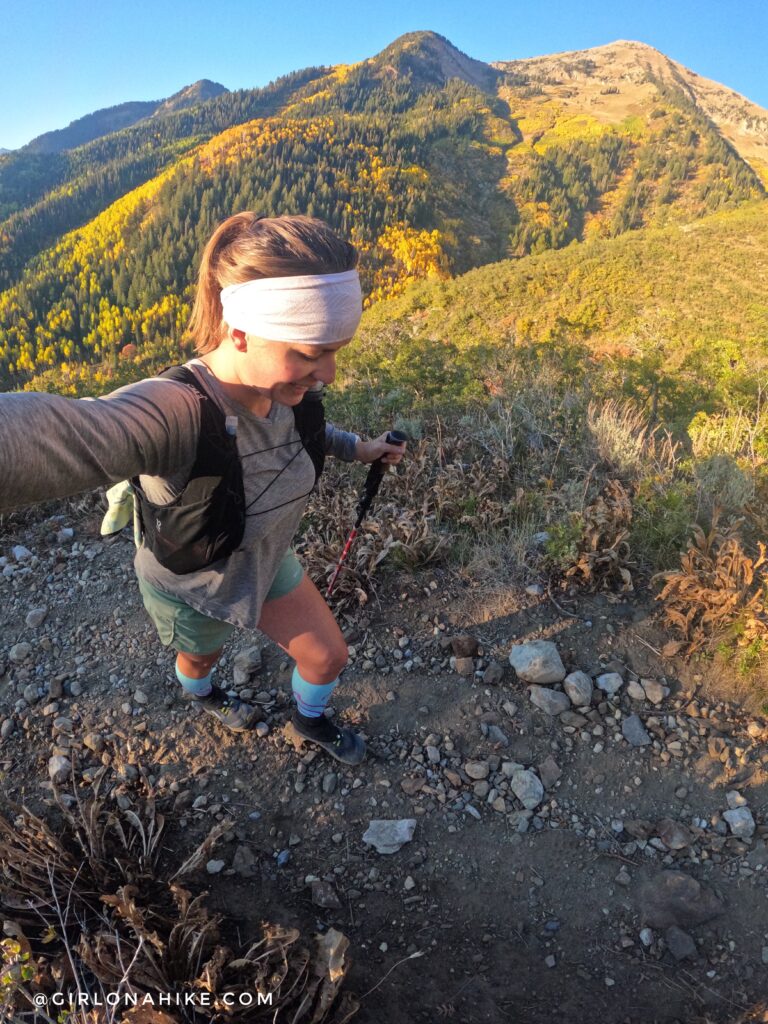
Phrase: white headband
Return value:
(319, 309)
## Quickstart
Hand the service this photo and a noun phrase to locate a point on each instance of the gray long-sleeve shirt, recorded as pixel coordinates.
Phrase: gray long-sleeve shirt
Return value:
(51, 447)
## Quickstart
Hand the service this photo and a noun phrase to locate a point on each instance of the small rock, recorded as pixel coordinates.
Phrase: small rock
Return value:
(635, 690)
(56, 688)
(464, 666)
(674, 835)
(244, 861)
(610, 682)
(248, 660)
(20, 553)
(655, 691)
(213, 867)
(578, 686)
(537, 662)
(494, 674)
(527, 787)
(409, 883)
(646, 937)
(324, 895)
(329, 783)
(549, 772)
(388, 836)
(412, 786)
(19, 652)
(573, 718)
(551, 702)
(735, 799)
(464, 645)
(497, 736)
(7, 728)
(634, 732)
(31, 695)
(680, 943)
(59, 769)
(35, 617)
(140, 697)
(477, 769)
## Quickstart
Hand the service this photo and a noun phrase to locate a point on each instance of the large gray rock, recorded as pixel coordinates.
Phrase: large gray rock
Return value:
(387, 836)
(674, 898)
(578, 686)
(551, 702)
(537, 662)
(634, 732)
(527, 787)
(741, 822)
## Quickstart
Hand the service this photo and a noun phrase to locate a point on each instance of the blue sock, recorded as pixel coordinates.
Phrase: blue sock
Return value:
(311, 699)
(197, 687)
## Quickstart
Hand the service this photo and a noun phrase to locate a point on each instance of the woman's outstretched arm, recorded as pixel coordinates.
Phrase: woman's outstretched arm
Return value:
(53, 447)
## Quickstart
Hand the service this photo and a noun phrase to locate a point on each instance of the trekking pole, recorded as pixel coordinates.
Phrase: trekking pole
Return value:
(370, 489)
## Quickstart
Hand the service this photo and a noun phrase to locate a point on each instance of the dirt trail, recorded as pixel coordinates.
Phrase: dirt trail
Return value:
(517, 915)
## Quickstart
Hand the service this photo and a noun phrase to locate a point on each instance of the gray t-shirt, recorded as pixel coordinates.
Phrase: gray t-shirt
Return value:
(51, 446)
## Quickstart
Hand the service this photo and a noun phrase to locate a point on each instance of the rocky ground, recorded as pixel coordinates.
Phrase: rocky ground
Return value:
(581, 824)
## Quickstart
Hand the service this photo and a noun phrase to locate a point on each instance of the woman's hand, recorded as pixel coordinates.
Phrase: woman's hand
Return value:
(369, 451)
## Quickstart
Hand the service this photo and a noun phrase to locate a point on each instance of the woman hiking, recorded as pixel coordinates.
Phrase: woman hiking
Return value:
(223, 455)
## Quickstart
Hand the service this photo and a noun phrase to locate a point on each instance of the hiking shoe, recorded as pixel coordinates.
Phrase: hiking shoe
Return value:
(230, 711)
(343, 744)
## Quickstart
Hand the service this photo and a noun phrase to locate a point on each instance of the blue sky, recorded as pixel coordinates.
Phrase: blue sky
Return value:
(62, 59)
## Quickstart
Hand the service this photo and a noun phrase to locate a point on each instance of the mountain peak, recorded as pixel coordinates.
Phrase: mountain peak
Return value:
(432, 59)
(200, 91)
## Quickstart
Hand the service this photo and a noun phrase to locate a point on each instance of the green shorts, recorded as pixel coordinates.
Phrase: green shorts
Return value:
(194, 633)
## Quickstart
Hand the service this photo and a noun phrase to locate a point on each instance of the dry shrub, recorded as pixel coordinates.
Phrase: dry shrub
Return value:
(441, 491)
(91, 908)
(624, 439)
(723, 483)
(716, 585)
(603, 554)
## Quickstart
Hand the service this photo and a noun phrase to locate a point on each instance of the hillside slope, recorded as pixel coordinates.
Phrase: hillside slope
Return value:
(433, 163)
(615, 80)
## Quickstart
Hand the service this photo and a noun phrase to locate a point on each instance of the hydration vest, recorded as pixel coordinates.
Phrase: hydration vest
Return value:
(206, 522)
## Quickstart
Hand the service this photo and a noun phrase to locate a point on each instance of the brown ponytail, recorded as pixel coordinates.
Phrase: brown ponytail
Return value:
(247, 247)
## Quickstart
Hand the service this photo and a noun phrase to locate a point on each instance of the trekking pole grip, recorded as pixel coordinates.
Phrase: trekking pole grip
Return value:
(379, 467)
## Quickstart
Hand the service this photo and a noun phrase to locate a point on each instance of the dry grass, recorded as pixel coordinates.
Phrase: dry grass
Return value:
(624, 439)
(94, 908)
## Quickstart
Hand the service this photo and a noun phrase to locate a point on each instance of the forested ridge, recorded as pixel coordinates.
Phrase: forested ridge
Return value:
(431, 162)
